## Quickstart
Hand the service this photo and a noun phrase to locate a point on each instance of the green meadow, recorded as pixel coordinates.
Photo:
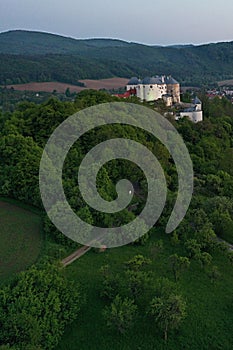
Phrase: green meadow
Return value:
(20, 238)
(209, 321)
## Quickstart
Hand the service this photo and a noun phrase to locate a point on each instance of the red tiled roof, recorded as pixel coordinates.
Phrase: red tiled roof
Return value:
(127, 94)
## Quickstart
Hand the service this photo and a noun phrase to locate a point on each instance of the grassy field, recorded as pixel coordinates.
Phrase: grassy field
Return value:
(20, 238)
(226, 82)
(209, 322)
(109, 84)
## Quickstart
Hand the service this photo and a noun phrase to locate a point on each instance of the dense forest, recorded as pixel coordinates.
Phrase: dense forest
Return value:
(34, 56)
(62, 68)
(10, 98)
(145, 295)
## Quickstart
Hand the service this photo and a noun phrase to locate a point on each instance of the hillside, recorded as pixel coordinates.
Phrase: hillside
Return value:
(22, 42)
(62, 68)
(34, 56)
(46, 307)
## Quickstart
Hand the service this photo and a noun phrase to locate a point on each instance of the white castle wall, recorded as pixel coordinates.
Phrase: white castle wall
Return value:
(195, 117)
(139, 90)
(151, 92)
(152, 89)
(129, 87)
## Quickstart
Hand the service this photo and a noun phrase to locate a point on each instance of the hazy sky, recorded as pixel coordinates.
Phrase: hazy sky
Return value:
(147, 21)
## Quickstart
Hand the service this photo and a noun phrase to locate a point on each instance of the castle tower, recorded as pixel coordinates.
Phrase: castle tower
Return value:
(173, 88)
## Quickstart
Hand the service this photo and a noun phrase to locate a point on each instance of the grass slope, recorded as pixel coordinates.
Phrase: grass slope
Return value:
(20, 239)
(209, 322)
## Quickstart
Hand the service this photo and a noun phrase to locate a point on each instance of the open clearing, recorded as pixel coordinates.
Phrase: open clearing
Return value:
(226, 83)
(111, 83)
(209, 321)
(20, 239)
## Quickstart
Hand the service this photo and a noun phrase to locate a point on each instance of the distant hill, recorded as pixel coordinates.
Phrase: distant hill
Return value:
(21, 42)
(181, 46)
(34, 56)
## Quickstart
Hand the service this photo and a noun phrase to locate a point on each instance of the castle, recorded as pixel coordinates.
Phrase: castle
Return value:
(154, 88)
(163, 87)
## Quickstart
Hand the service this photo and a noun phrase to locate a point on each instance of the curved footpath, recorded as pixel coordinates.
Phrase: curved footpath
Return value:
(76, 255)
(83, 250)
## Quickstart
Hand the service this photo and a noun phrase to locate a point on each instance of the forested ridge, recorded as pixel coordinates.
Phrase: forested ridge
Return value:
(126, 290)
(34, 56)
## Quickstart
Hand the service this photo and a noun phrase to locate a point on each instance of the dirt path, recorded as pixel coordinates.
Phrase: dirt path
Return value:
(230, 246)
(80, 252)
(76, 255)
(83, 250)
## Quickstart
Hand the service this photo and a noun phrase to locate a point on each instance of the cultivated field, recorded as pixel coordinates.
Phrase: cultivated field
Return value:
(20, 239)
(46, 87)
(111, 83)
(226, 83)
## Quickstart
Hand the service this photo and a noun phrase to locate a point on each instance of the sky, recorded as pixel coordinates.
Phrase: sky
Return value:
(145, 21)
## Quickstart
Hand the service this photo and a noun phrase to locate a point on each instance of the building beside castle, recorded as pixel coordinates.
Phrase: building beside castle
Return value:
(154, 88)
(194, 112)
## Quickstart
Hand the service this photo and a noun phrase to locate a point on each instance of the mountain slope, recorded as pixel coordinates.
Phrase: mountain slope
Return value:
(27, 56)
(21, 42)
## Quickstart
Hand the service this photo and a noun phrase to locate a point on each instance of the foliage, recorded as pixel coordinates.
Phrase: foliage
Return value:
(23, 136)
(37, 307)
(193, 248)
(168, 312)
(120, 314)
(205, 259)
(178, 264)
(214, 273)
(110, 283)
(48, 57)
(137, 262)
